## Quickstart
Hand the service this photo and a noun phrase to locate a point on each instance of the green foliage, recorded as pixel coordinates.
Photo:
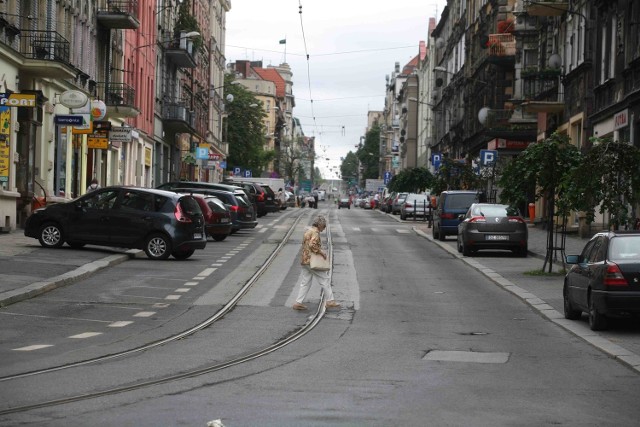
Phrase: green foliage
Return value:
(544, 168)
(456, 175)
(608, 177)
(349, 166)
(187, 22)
(412, 180)
(369, 154)
(245, 130)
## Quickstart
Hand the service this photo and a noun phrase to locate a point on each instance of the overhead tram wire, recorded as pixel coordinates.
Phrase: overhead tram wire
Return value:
(304, 40)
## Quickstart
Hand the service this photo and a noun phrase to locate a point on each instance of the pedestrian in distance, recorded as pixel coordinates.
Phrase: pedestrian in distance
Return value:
(93, 186)
(315, 198)
(311, 243)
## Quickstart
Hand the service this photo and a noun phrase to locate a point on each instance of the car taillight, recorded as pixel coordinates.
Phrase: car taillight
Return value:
(614, 277)
(477, 219)
(180, 215)
(447, 216)
(408, 205)
(516, 219)
(260, 197)
(234, 208)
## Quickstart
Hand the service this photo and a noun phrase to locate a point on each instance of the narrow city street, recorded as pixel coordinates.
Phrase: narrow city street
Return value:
(422, 338)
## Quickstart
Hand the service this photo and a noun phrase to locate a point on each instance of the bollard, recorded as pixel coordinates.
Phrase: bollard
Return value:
(532, 212)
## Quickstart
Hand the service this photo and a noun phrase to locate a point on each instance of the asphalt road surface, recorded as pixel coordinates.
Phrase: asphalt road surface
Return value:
(422, 338)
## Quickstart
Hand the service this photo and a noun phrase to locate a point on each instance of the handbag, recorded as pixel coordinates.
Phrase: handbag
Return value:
(319, 263)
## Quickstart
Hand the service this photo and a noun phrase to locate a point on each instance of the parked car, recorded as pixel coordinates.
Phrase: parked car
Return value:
(386, 203)
(344, 202)
(217, 216)
(604, 280)
(172, 185)
(492, 226)
(263, 199)
(161, 223)
(415, 205)
(451, 204)
(397, 203)
(243, 216)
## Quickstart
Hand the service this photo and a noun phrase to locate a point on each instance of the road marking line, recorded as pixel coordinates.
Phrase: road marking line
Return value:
(356, 228)
(182, 290)
(160, 305)
(85, 335)
(259, 226)
(227, 257)
(263, 230)
(33, 347)
(120, 324)
(206, 272)
(221, 260)
(54, 317)
(191, 284)
(403, 231)
(172, 297)
(216, 265)
(144, 314)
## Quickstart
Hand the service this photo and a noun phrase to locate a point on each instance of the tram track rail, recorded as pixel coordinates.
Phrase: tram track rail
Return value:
(311, 323)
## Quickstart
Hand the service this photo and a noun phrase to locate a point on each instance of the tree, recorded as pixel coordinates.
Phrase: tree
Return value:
(245, 131)
(349, 166)
(608, 177)
(412, 180)
(290, 161)
(546, 167)
(456, 175)
(369, 154)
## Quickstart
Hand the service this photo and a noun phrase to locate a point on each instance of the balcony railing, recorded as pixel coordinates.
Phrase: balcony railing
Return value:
(120, 99)
(45, 45)
(511, 125)
(180, 52)
(119, 14)
(502, 47)
(177, 118)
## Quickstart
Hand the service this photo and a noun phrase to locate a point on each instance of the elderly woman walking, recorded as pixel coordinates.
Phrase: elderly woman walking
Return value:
(311, 243)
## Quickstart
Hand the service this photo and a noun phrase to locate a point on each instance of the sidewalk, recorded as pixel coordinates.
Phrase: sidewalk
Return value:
(27, 269)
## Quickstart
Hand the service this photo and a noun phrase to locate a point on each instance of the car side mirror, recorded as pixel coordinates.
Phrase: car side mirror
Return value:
(461, 217)
(572, 259)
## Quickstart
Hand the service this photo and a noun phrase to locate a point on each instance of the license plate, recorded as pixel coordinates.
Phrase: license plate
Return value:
(224, 220)
(498, 237)
(197, 236)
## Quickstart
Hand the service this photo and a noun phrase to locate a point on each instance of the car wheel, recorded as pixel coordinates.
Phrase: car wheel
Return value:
(435, 232)
(402, 216)
(349, 207)
(183, 254)
(338, 206)
(75, 245)
(465, 250)
(51, 236)
(569, 312)
(219, 237)
(597, 321)
(157, 246)
(459, 245)
(441, 236)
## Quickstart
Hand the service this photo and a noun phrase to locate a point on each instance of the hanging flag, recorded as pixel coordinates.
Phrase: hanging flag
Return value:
(283, 41)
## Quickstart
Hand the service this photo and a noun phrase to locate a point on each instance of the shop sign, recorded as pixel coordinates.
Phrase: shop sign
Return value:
(5, 151)
(621, 119)
(214, 156)
(73, 99)
(98, 141)
(18, 100)
(506, 144)
(120, 134)
(67, 120)
(98, 109)
(147, 156)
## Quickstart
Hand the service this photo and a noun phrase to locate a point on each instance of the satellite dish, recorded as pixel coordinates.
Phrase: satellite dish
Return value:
(483, 115)
(555, 61)
(230, 98)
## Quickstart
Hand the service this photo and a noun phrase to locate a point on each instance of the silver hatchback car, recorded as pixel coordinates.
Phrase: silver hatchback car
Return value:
(415, 205)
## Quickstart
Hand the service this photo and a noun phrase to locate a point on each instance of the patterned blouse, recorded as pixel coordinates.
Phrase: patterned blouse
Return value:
(310, 243)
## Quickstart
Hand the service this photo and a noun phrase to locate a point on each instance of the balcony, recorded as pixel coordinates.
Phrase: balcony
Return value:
(511, 125)
(541, 90)
(119, 14)
(119, 98)
(177, 119)
(501, 49)
(47, 54)
(180, 52)
(546, 8)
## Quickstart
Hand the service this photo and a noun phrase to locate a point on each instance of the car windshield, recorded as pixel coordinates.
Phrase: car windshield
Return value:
(242, 200)
(492, 211)
(624, 248)
(460, 201)
(216, 204)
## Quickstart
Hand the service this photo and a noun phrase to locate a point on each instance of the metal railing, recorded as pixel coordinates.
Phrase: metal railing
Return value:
(117, 94)
(44, 45)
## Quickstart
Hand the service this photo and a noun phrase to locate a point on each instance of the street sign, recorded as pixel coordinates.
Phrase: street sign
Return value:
(488, 157)
(202, 153)
(236, 171)
(120, 134)
(67, 120)
(247, 173)
(387, 177)
(436, 160)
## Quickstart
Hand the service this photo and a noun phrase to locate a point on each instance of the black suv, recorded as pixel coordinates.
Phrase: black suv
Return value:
(161, 223)
(260, 198)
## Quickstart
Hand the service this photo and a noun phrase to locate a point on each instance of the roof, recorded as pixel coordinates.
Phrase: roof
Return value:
(272, 75)
(411, 65)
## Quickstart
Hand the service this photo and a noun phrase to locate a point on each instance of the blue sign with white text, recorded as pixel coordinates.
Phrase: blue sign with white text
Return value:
(436, 160)
(488, 157)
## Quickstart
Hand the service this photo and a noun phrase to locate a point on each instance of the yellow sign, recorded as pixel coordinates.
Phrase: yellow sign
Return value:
(98, 142)
(5, 133)
(147, 156)
(17, 100)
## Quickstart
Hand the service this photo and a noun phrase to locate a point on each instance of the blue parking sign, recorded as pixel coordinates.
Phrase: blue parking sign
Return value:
(436, 160)
(247, 173)
(488, 157)
(236, 171)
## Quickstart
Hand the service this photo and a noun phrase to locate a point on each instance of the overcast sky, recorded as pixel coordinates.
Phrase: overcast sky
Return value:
(352, 45)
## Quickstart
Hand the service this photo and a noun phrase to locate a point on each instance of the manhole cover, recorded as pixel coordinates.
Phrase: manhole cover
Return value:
(466, 356)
